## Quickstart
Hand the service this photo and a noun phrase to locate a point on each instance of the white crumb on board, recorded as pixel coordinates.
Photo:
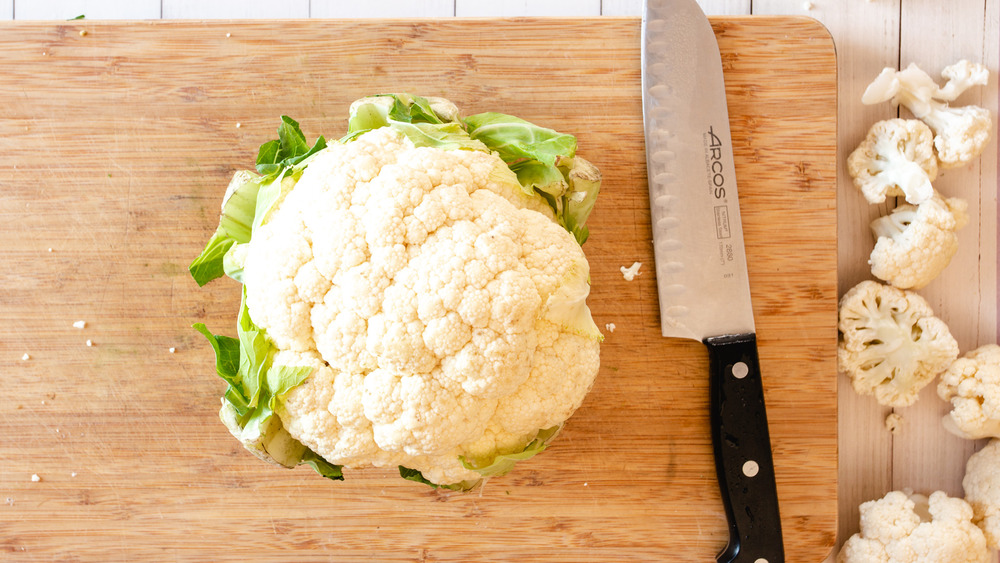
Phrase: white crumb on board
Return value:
(632, 271)
(80, 324)
(35, 478)
(25, 357)
(894, 423)
(172, 350)
(610, 326)
(90, 342)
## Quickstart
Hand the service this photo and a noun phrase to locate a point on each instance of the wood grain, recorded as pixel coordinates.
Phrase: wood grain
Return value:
(115, 148)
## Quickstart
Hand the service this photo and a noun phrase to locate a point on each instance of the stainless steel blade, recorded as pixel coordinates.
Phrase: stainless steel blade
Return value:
(701, 270)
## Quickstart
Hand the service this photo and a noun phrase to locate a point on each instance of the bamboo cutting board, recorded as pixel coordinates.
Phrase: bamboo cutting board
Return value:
(116, 144)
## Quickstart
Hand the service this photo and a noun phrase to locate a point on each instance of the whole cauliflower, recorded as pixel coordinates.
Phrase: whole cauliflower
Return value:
(903, 527)
(896, 158)
(437, 306)
(972, 384)
(982, 490)
(915, 243)
(960, 133)
(891, 343)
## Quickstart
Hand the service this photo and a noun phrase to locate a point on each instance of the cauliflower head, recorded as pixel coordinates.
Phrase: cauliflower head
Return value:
(891, 343)
(915, 243)
(972, 384)
(903, 527)
(411, 297)
(896, 158)
(426, 287)
(982, 490)
(960, 133)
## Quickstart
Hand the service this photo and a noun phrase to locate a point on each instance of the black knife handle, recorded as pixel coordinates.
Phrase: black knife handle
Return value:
(742, 447)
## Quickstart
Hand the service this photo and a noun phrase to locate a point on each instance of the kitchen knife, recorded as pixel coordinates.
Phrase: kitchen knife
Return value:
(701, 271)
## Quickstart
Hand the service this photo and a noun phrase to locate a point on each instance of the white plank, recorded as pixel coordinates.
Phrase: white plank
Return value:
(384, 8)
(710, 7)
(234, 9)
(866, 35)
(621, 7)
(6, 9)
(964, 296)
(92, 9)
(725, 7)
(989, 229)
(934, 38)
(515, 8)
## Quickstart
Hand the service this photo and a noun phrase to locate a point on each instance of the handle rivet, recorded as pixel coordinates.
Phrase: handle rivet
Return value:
(740, 370)
(750, 469)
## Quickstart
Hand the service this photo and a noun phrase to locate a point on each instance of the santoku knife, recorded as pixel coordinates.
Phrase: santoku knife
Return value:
(701, 271)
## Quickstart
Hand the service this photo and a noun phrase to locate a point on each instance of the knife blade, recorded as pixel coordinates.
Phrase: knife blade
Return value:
(701, 270)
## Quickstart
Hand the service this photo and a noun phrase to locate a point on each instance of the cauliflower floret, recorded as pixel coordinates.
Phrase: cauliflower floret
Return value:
(982, 490)
(914, 244)
(960, 134)
(903, 527)
(972, 384)
(896, 158)
(891, 343)
(447, 307)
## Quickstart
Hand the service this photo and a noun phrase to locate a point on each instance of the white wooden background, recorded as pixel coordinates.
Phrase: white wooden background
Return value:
(869, 35)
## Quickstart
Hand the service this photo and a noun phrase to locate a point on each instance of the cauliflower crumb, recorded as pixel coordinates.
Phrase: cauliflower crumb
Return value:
(35, 478)
(632, 271)
(73, 474)
(80, 324)
(172, 350)
(50, 249)
(610, 326)
(807, 6)
(894, 423)
(90, 342)
(25, 357)
(238, 125)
